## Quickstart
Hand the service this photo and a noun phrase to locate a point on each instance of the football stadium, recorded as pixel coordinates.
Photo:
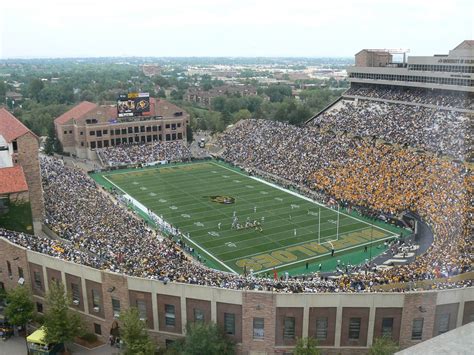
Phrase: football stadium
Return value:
(241, 222)
(354, 226)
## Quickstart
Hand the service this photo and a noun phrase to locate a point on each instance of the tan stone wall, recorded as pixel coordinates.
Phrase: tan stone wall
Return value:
(27, 157)
(245, 305)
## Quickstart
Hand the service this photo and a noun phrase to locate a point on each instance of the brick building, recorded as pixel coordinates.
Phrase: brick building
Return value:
(20, 149)
(87, 127)
(259, 322)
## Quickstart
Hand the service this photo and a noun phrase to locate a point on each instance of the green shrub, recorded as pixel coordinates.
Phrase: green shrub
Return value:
(89, 337)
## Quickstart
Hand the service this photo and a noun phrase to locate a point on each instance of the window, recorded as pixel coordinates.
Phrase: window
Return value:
(258, 328)
(417, 329)
(15, 146)
(387, 327)
(76, 293)
(65, 132)
(170, 316)
(229, 323)
(99, 144)
(92, 133)
(130, 129)
(173, 126)
(116, 307)
(105, 131)
(117, 131)
(97, 329)
(173, 137)
(180, 135)
(81, 133)
(167, 125)
(443, 323)
(93, 145)
(148, 128)
(179, 125)
(155, 128)
(82, 144)
(124, 130)
(135, 129)
(99, 133)
(9, 267)
(95, 299)
(198, 315)
(20, 273)
(168, 137)
(37, 280)
(322, 328)
(39, 307)
(141, 305)
(142, 129)
(354, 328)
(70, 132)
(289, 328)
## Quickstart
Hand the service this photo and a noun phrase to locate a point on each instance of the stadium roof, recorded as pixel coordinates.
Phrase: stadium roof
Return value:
(76, 112)
(13, 180)
(85, 110)
(10, 127)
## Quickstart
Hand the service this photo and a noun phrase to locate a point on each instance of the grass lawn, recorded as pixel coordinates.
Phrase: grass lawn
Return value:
(202, 198)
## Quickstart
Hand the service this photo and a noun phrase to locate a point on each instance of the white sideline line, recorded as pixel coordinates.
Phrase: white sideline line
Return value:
(141, 207)
(302, 197)
(321, 255)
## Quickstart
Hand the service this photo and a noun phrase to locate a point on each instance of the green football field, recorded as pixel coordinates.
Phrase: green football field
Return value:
(202, 198)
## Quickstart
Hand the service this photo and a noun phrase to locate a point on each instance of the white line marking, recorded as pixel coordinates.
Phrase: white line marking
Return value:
(143, 208)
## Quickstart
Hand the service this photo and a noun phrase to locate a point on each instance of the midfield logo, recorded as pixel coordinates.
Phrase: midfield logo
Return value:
(226, 200)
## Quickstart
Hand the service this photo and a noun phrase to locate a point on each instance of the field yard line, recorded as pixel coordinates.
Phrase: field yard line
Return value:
(300, 243)
(309, 240)
(319, 256)
(193, 242)
(317, 203)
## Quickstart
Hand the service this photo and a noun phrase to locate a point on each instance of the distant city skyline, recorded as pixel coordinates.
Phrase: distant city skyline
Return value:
(225, 28)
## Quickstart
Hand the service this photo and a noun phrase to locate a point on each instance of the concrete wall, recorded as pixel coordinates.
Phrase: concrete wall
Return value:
(273, 308)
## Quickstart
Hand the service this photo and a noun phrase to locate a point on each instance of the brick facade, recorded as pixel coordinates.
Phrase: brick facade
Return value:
(242, 306)
(258, 305)
(27, 157)
(417, 306)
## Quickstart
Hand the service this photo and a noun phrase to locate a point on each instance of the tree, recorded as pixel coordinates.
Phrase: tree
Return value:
(134, 334)
(189, 134)
(204, 338)
(242, 115)
(35, 87)
(307, 346)
(383, 346)
(20, 307)
(61, 324)
(161, 93)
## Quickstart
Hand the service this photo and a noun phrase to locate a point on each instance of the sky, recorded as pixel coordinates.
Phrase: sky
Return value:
(290, 28)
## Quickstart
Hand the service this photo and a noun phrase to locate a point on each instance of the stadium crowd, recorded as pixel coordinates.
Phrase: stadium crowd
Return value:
(435, 130)
(96, 230)
(141, 153)
(378, 177)
(414, 95)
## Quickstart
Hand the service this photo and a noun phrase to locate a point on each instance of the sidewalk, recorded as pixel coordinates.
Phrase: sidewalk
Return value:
(17, 346)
